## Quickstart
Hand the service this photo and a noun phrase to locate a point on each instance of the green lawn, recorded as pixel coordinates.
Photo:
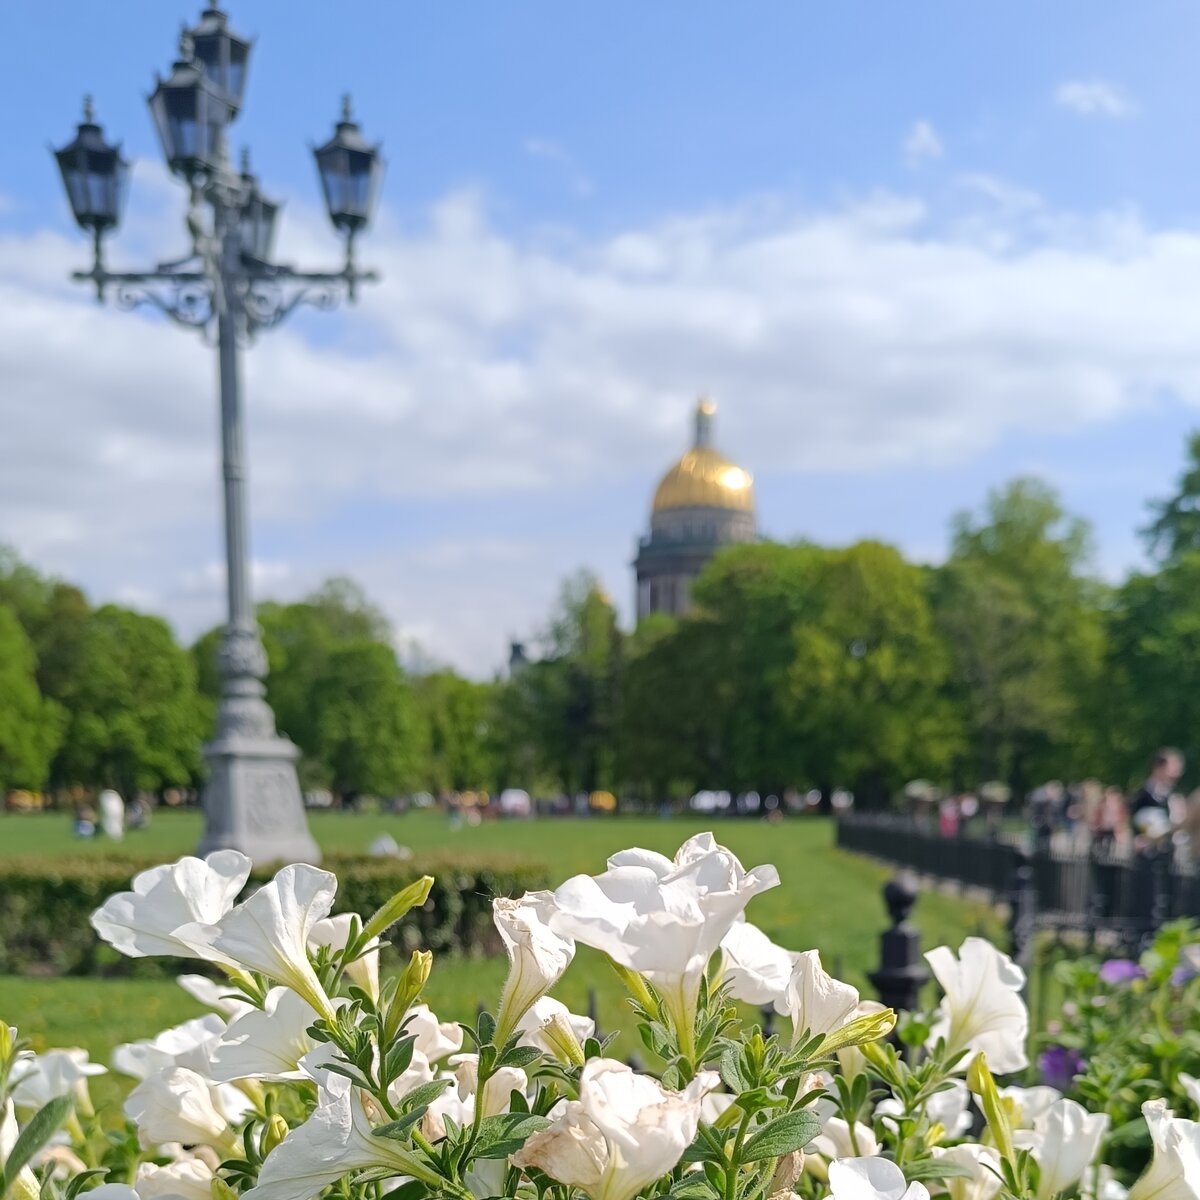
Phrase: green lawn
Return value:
(828, 899)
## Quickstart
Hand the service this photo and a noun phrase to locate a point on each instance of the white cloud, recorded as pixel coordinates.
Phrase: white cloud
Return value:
(921, 143)
(552, 152)
(495, 413)
(1094, 98)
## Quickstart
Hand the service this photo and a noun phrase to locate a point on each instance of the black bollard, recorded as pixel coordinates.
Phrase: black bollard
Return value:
(902, 971)
(593, 1011)
(767, 1012)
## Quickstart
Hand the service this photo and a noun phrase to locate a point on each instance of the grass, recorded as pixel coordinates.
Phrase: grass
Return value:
(828, 899)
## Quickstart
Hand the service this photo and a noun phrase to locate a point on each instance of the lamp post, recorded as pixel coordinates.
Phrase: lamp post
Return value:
(230, 290)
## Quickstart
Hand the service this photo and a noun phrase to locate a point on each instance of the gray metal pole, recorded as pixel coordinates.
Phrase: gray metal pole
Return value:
(252, 801)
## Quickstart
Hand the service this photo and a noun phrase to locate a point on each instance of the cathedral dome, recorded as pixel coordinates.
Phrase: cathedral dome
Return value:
(703, 478)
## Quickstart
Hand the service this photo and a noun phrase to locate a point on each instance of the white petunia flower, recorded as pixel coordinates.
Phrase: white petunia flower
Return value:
(218, 996)
(334, 932)
(435, 1039)
(537, 956)
(1025, 1105)
(624, 1132)
(1064, 1140)
(982, 1161)
(268, 1044)
(533, 1026)
(147, 920)
(815, 1000)
(269, 932)
(179, 1105)
(756, 970)
(188, 1045)
(189, 1179)
(982, 1009)
(40, 1078)
(1174, 1171)
(871, 1178)
(662, 918)
(335, 1141)
(496, 1091)
(837, 1140)
(949, 1108)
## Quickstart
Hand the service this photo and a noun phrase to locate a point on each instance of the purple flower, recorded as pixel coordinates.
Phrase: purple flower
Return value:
(1120, 970)
(1059, 1065)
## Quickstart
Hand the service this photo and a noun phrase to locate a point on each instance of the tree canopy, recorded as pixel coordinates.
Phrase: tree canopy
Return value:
(800, 666)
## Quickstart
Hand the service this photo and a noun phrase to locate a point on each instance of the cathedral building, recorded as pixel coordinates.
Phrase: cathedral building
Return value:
(704, 502)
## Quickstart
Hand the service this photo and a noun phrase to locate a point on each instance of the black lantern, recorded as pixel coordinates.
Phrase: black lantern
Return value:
(190, 115)
(350, 170)
(257, 217)
(223, 55)
(94, 174)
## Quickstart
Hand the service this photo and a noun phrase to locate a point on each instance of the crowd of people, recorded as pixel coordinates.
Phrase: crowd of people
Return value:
(1152, 819)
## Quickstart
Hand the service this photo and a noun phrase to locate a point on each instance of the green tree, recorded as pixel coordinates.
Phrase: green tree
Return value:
(366, 732)
(458, 715)
(337, 689)
(30, 726)
(564, 704)
(867, 674)
(1025, 625)
(54, 616)
(133, 717)
(1175, 529)
(1153, 673)
(751, 600)
(669, 729)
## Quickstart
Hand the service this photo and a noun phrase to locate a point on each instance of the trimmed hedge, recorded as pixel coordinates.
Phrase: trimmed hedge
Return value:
(45, 906)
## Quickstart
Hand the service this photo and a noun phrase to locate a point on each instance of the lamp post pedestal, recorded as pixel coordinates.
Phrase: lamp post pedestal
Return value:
(252, 800)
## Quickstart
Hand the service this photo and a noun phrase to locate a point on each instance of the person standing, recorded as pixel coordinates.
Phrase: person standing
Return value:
(112, 814)
(1150, 806)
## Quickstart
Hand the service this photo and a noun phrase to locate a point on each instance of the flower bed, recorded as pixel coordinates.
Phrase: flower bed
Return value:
(45, 906)
(316, 1075)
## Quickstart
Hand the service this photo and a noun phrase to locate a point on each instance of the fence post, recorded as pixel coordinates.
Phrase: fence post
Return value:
(1160, 905)
(902, 972)
(1022, 909)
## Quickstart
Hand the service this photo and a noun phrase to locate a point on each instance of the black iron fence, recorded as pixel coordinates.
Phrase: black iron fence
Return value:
(1102, 894)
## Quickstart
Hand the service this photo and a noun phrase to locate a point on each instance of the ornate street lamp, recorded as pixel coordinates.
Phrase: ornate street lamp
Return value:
(223, 55)
(95, 176)
(258, 217)
(351, 171)
(190, 114)
(229, 288)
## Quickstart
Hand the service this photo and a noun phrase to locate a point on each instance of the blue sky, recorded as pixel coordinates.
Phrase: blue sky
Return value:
(913, 249)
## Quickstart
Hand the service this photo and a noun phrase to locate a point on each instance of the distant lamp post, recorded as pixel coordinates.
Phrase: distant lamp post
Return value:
(229, 288)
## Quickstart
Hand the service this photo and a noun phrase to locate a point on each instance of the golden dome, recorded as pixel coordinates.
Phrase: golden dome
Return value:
(703, 478)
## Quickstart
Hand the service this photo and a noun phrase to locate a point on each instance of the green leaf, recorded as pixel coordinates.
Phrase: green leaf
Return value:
(520, 1056)
(792, 1131)
(399, 1130)
(933, 1168)
(78, 1181)
(425, 1093)
(506, 1133)
(731, 1069)
(414, 1189)
(702, 1150)
(693, 1186)
(486, 1028)
(34, 1136)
